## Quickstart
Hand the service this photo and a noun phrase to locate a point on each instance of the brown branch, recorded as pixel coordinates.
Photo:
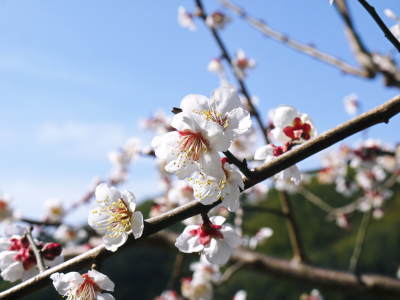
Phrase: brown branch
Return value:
(225, 54)
(300, 47)
(380, 114)
(360, 51)
(230, 271)
(293, 229)
(39, 223)
(36, 251)
(388, 34)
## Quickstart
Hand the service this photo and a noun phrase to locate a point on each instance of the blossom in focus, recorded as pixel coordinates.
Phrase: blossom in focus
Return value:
(54, 210)
(185, 19)
(351, 104)
(242, 63)
(194, 289)
(290, 126)
(115, 216)
(92, 285)
(208, 189)
(240, 295)
(214, 239)
(17, 260)
(203, 128)
(217, 20)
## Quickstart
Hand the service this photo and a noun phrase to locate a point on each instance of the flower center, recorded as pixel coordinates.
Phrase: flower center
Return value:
(192, 144)
(298, 130)
(242, 63)
(206, 232)
(87, 290)
(119, 218)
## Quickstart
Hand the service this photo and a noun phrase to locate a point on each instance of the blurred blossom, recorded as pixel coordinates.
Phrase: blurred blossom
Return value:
(351, 104)
(185, 19)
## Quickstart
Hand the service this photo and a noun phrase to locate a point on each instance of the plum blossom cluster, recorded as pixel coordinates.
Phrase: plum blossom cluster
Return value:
(18, 261)
(288, 129)
(366, 170)
(216, 20)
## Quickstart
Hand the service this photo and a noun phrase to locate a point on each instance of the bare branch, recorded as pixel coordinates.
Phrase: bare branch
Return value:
(293, 229)
(284, 39)
(388, 34)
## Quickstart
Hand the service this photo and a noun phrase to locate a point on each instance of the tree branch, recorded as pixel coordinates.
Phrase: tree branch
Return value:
(388, 34)
(36, 251)
(360, 241)
(284, 39)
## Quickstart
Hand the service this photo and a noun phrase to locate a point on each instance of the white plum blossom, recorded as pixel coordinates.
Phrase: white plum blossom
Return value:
(205, 271)
(268, 153)
(168, 295)
(351, 104)
(54, 210)
(217, 20)
(290, 126)
(92, 285)
(159, 123)
(214, 239)
(69, 235)
(185, 19)
(18, 262)
(180, 193)
(242, 63)
(203, 128)
(195, 289)
(208, 189)
(216, 66)
(240, 295)
(115, 216)
(395, 29)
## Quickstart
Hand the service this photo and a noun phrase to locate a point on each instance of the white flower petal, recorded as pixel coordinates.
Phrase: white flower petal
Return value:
(137, 224)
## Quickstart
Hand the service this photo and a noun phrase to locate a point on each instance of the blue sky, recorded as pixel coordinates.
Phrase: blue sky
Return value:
(77, 76)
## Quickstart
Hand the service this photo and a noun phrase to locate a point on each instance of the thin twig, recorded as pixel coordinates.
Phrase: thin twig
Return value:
(293, 229)
(310, 196)
(153, 225)
(284, 39)
(36, 251)
(230, 271)
(360, 241)
(388, 34)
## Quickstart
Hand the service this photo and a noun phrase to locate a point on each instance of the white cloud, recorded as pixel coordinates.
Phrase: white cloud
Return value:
(86, 140)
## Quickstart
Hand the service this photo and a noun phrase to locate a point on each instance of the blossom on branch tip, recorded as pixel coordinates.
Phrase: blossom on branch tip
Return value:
(214, 239)
(203, 128)
(115, 216)
(194, 289)
(88, 286)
